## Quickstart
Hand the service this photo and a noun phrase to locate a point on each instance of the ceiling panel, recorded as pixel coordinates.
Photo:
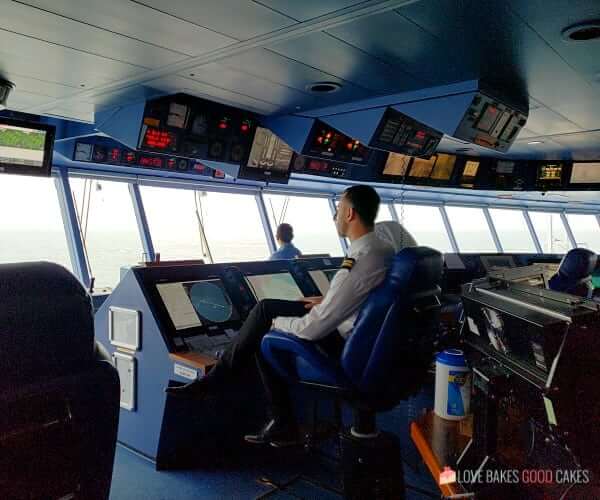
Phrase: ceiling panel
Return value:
(49, 62)
(59, 30)
(140, 22)
(543, 121)
(508, 51)
(174, 84)
(308, 9)
(235, 18)
(549, 17)
(253, 86)
(395, 39)
(280, 69)
(42, 87)
(75, 110)
(326, 53)
(20, 100)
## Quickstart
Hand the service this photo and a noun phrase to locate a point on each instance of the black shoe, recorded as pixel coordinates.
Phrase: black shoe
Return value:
(198, 389)
(277, 433)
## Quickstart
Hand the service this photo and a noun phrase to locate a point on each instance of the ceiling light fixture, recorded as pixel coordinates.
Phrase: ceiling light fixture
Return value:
(323, 87)
(535, 142)
(582, 32)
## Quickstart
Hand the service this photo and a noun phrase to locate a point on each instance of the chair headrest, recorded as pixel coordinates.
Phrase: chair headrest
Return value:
(395, 234)
(46, 323)
(578, 264)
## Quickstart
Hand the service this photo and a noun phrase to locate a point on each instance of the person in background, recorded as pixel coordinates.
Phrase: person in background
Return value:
(395, 234)
(326, 320)
(284, 237)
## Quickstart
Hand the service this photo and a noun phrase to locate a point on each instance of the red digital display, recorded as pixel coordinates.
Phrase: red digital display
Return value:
(219, 174)
(318, 166)
(245, 126)
(129, 157)
(114, 155)
(223, 123)
(150, 161)
(159, 139)
(171, 163)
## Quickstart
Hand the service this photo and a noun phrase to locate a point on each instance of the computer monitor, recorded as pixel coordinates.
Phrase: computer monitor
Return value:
(274, 286)
(192, 304)
(443, 168)
(421, 167)
(269, 159)
(396, 165)
(469, 173)
(322, 278)
(25, 147)
(550, 172)
(585, 173)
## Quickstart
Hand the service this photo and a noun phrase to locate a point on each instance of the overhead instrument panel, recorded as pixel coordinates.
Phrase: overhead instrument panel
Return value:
(328, 143)
(491, 123)
(400, 133)
(188, 126)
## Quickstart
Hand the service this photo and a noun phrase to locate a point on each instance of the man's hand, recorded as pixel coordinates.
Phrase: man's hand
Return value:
(310, 302)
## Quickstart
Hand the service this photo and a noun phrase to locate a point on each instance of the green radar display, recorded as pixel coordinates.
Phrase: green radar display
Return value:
(211, 302)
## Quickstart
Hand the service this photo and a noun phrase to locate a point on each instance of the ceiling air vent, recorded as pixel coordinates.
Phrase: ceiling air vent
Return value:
(323, 87)
(582, 32)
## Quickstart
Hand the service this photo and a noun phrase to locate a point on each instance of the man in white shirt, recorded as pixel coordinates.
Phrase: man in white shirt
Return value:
(327, 320)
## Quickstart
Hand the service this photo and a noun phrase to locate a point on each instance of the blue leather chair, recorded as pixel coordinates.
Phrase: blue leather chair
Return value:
(574, 273)
(59, 395)
(387, 356)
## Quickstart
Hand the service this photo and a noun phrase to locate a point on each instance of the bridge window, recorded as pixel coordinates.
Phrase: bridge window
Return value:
(586, 230)
(512, 230)
(314, 229)
(108, 227)
(551, 232)
(425, 224)
(174, 227)
(471, 229)
(233, 227)
(384, 213)
(31, 227)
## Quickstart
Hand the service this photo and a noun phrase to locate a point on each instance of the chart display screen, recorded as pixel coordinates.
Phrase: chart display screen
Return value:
(422, 167)
(585, 173)
(274, 286)
(269, 151)
(25, 147)
(196, 303)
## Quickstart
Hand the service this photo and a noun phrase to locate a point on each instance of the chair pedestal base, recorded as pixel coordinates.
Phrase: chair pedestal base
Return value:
(372, 468)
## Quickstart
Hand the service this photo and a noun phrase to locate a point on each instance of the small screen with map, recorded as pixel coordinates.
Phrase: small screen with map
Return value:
(274, 286)
(196, 303)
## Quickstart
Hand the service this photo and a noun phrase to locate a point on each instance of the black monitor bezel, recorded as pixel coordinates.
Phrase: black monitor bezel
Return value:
(46, 169)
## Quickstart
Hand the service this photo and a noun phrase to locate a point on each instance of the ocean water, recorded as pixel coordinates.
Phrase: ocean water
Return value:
(108, 252)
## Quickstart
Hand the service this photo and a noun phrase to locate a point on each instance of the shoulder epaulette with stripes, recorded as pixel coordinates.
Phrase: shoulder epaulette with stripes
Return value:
(348, 263)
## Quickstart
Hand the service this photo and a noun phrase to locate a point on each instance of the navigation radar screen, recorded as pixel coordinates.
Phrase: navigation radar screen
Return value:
(269, 152)
(396, 164)
(196, 303)
(210, 301)
(21, 146)
(585, 173)
(274, 286)
(443, 168)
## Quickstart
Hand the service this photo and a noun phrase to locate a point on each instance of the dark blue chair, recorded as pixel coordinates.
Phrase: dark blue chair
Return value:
(58, 393)
(385, 359)
(574, 273)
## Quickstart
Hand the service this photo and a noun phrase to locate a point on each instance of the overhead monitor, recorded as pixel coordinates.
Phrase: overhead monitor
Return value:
(585, 173)
(469, 173)
(270, 158)
(443, 168)
(550, 173)
(421, 167)
(274, 286)
(191, 304)
(322, 278)
(25, 147)
(505, 167)
(396, 165)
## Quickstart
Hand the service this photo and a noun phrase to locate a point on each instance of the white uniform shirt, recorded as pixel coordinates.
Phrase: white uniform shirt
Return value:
(347, 291)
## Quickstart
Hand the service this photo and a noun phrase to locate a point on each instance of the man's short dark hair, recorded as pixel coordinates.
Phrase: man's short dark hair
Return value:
(365, 201)
(285, 233)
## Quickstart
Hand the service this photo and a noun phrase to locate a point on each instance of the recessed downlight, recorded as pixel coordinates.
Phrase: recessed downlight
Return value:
(582, 32)
(323, 87)
(535, 142)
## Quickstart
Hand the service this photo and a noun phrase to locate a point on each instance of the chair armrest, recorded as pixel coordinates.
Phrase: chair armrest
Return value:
(300, 360)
